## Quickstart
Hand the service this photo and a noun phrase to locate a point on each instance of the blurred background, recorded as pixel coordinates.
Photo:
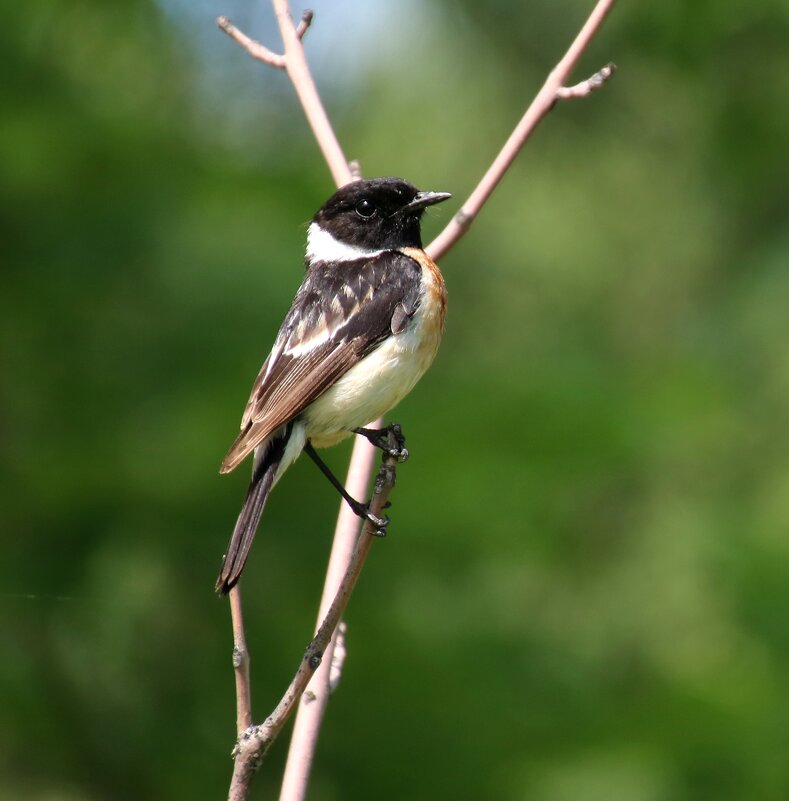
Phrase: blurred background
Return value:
(584, 591)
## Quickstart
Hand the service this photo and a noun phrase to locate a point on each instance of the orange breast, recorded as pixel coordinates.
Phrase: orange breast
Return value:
(435, 288)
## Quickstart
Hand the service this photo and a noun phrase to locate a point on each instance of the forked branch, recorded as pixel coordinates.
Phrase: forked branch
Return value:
(347, 560)
(294, 62)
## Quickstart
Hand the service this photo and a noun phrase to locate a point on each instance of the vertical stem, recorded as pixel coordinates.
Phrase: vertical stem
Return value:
(312, 708)
(240, 663)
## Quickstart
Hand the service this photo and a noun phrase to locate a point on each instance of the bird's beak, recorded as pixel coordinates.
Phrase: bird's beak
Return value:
(425, 199)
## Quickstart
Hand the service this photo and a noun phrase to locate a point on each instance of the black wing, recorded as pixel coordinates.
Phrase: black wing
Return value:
(342, 312)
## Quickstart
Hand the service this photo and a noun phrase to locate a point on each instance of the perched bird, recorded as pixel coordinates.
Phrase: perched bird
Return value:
(363, 328)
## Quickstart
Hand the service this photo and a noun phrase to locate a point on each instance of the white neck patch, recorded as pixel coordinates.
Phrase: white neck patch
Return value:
(322, 246)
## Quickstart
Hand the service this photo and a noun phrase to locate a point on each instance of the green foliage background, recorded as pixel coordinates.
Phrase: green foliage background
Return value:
(584, 592)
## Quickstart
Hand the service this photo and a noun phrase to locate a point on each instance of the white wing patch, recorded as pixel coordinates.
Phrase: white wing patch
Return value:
(298, 343)
(322, 334)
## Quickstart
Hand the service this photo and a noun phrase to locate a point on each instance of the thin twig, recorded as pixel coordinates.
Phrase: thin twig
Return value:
(255, 49)
(591, 84)
(540, 106)
(240, 663)
(255, 741)
(304, 23)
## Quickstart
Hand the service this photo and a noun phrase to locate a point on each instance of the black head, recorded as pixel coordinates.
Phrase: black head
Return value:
(377, 213)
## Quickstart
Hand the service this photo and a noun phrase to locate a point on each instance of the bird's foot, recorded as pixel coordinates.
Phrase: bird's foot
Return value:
(379, 438)
(379, 523)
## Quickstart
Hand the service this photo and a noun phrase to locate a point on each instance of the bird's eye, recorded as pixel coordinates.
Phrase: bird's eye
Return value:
(365, 208)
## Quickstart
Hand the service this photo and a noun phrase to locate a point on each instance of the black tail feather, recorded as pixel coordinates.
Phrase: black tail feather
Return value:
(266, 464)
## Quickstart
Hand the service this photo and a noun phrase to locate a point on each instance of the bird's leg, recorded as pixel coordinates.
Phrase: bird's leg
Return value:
(378, 437)
(360, 509)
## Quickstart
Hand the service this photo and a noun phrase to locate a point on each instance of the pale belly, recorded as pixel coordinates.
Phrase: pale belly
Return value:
(377, 383)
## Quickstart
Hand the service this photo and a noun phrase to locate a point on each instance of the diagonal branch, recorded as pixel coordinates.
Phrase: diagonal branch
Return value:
(551, 91)
(300, 76)
(255, 49)
(294, 62)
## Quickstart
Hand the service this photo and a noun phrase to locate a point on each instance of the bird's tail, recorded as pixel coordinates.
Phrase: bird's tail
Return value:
(267, 460)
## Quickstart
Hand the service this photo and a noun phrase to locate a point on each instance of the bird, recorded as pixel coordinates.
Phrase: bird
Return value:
(363, 328)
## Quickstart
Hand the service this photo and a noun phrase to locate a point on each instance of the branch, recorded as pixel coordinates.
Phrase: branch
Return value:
(294, 62)
(255, 49)
(240, 663)
(255, 741)
(304, 739)
(304, 23)
(592, 84)
(552, 90)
